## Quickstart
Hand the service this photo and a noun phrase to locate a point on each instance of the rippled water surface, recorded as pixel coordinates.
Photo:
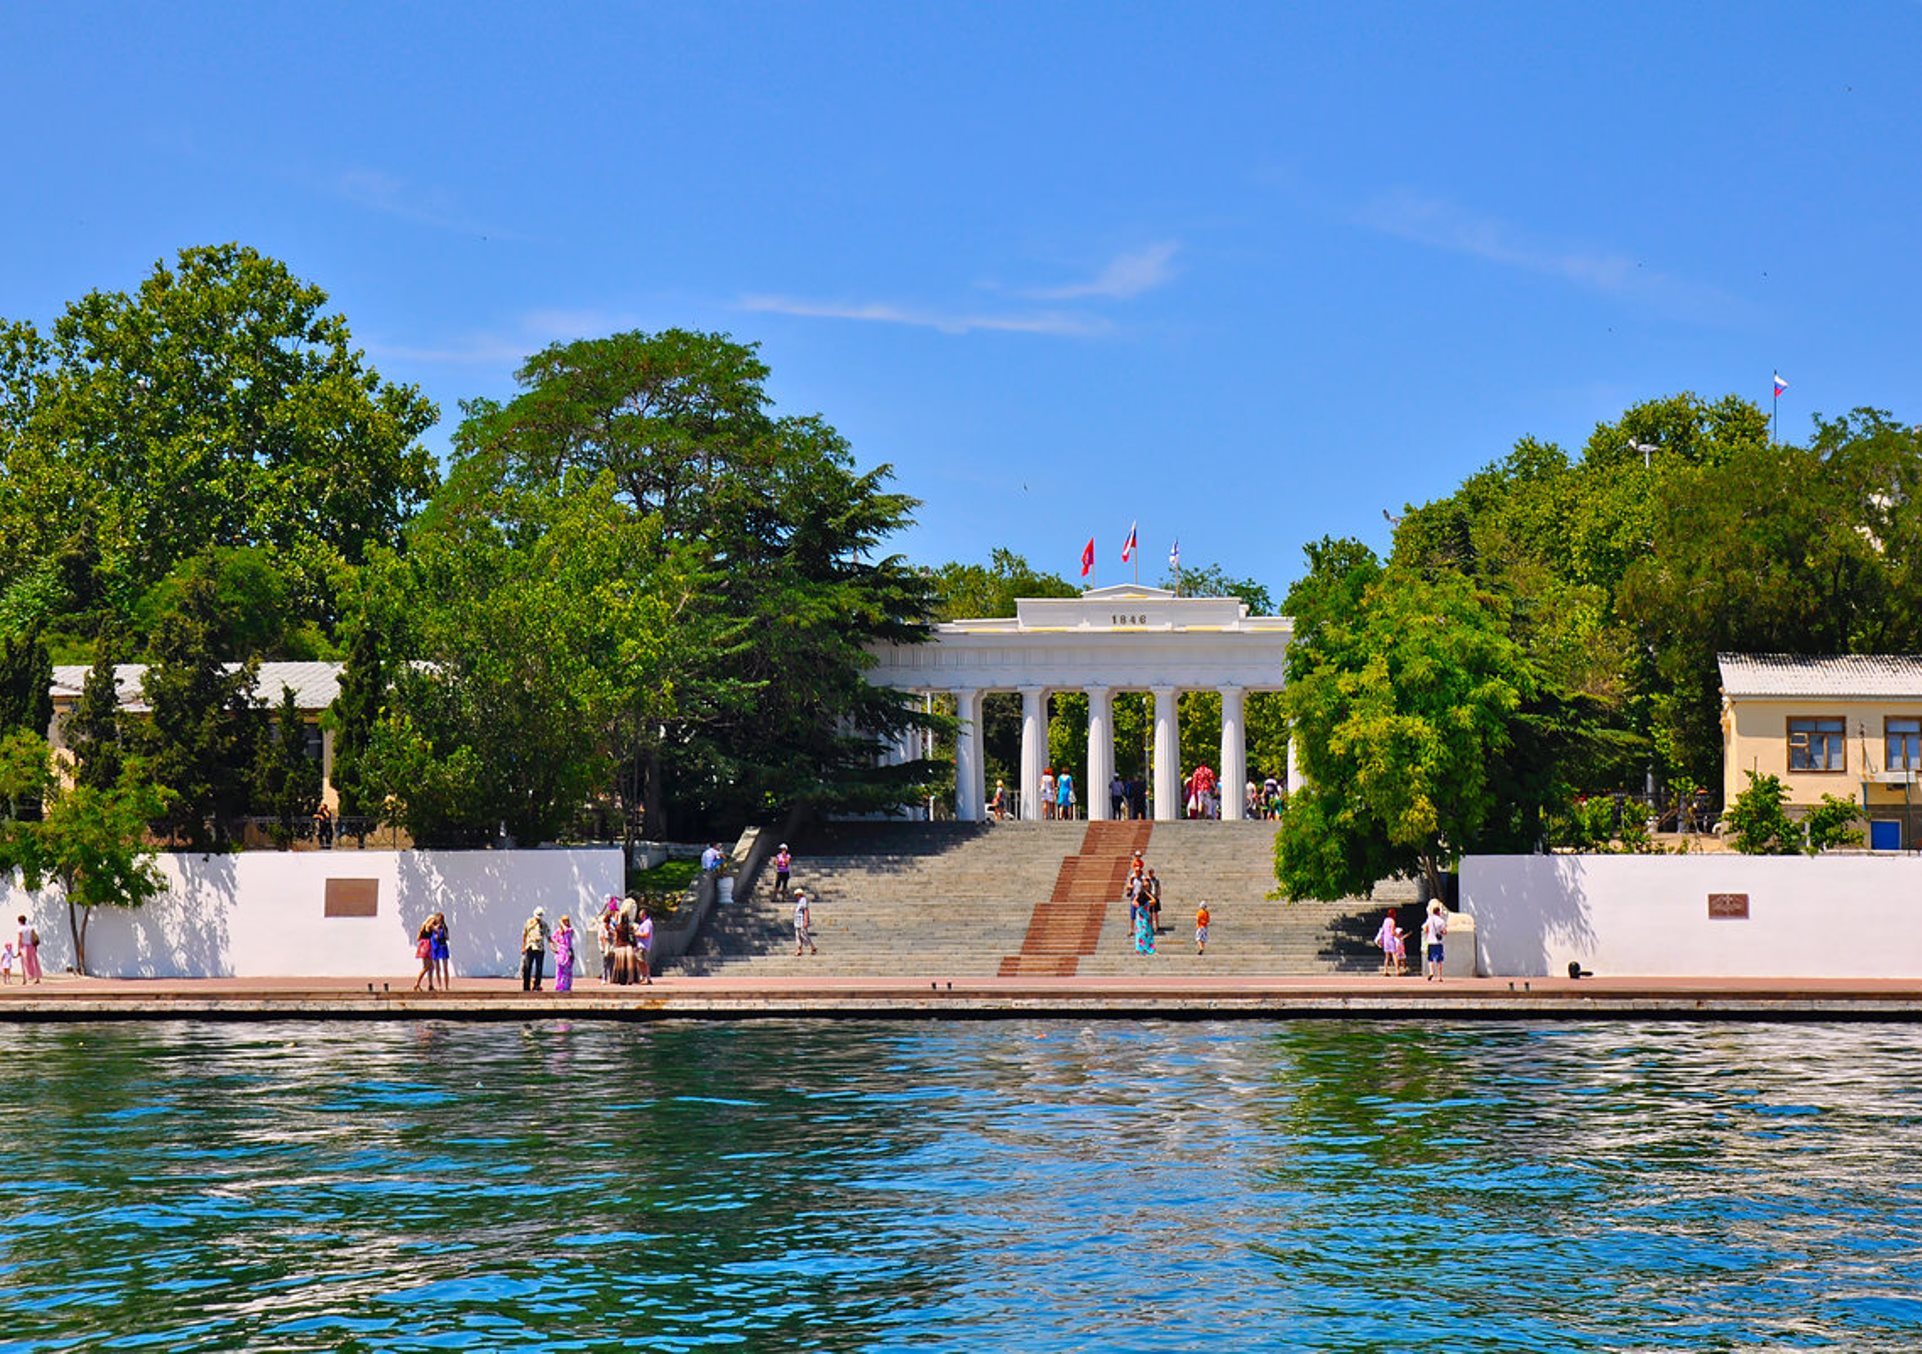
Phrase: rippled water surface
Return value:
(1041, 1186)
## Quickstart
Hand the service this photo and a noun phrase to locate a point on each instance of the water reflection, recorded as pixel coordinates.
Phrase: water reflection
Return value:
(1044, 1186)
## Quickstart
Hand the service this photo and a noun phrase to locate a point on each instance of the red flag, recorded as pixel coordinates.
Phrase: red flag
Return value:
(1128, 546)
(1087, 558)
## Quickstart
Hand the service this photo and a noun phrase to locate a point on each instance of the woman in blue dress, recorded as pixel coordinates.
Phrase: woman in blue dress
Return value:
(437, 939)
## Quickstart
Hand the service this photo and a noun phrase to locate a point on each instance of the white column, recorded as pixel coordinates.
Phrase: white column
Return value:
(1100, 752)
(1234, 755)
(1034, 748)
(1167, 755)
(1295, 780)
(970, 794)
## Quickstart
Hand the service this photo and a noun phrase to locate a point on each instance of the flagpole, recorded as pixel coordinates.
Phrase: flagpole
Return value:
(1775, 411)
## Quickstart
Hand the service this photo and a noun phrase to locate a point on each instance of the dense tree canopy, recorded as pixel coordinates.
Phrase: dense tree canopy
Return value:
(636, 574)
(219, 406)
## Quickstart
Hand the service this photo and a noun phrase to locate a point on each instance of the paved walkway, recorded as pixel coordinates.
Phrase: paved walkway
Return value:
(939, 997)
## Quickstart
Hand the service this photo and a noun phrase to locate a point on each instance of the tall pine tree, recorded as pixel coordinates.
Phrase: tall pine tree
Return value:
(201, 734)
(95, 734)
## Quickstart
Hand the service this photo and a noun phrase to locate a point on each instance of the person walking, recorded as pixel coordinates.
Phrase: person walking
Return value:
(564, 955)
(1151, 890)
(1432, 931)
(534, 935)
(27, 945)
(783, 866)
(604, 936)
(1201, 929)
(1047, 792)
(1064, 793)
(998, 801)
(1144, 931)
(424, 951)
(644, 947)
(803, 924)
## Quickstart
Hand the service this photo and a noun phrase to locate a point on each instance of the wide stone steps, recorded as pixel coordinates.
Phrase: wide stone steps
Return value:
(1037, 898)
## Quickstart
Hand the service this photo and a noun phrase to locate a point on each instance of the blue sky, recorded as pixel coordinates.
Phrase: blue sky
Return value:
(1250, 274)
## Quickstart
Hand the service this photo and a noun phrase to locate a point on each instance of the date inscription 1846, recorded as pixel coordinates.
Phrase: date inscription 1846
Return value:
(1124, 618)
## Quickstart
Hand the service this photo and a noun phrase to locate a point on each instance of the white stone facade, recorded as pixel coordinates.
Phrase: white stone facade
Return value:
(1106, 641)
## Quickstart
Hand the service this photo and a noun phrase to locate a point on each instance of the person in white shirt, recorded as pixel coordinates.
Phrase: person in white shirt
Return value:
(803, 924)
(1432, 931)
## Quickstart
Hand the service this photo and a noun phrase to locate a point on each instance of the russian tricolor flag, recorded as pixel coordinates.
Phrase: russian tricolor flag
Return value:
(1128, 546)
(1780, 385)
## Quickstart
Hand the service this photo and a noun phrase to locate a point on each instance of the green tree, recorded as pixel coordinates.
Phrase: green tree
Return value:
(93, 843)
(286, 779)
(97, 734)
(1404, 715)
(542, 631)
(26, 684)
(200, 735)
(356, 711)
(973, 591)
(1211, 580)
(219, 405)
(1758, 821)
(1831, 823)
(766, 705)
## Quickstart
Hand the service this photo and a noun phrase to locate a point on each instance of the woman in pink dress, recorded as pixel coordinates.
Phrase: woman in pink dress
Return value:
(27, 946)
(564, 955)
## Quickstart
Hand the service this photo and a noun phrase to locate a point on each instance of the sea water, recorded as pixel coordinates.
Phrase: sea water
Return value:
(981, 1186)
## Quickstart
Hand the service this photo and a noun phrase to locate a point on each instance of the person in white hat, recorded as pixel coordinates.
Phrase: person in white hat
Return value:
(783, 862)
(534, 935)
(1432, 931)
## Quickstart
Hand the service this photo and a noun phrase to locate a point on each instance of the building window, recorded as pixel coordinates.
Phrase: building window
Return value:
(1903, 738)
(1816, 745)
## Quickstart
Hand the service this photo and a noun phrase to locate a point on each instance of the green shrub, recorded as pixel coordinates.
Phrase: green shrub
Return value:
(1758, 823)
(1832, 823)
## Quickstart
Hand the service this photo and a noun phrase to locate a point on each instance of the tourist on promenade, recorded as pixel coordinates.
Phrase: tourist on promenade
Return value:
(1144, 931)
(1151, 890)
(1064, 796)
(1389, 937)
(998, 801)
(623, 949)
(27, 946)
(324, 827)
(534, 935)
(424, 951)
(1432, 931)
(6, 963)
(1251, 802)
(783, 866)
(564, 954)
(644, 947)
(1047, 792)
(803, 924)
(1117, 797)
(604, 935)
(443, 957)
(1201, 929)
(1131, 891)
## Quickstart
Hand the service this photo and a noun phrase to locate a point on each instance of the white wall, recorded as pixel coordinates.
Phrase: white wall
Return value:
(260, 914)
(1647, 916)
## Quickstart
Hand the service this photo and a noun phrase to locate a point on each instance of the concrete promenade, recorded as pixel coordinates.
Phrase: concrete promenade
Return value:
(1134, 997)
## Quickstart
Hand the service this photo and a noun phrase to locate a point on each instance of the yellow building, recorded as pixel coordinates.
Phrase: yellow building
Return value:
(1848, 726)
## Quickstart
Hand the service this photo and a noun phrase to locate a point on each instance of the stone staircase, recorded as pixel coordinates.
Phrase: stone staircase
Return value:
(1028, 899)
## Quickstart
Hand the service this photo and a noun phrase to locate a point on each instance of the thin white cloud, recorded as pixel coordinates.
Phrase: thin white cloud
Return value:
(389, 195)
(1126, 277)
(1055, 322)
(532, 331)
(1440, 224)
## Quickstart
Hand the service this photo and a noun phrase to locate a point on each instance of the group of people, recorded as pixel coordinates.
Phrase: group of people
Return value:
(626, 936)
(1265, 800)
(430, 947)
(24, 950)
(1056, 793)
(1142, 893)
(1393, 942)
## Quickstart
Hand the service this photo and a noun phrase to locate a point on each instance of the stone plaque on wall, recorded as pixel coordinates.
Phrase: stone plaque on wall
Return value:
(1728, 905)
(353, 898)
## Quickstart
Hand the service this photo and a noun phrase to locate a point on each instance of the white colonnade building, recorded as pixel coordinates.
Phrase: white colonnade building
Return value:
(1104, 642)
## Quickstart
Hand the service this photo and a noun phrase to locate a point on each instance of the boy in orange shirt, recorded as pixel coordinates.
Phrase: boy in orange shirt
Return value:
(1201, 929)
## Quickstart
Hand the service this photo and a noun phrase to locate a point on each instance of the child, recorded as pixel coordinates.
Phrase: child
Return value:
(6, 963)
(1432, 931)
(1201, 929)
